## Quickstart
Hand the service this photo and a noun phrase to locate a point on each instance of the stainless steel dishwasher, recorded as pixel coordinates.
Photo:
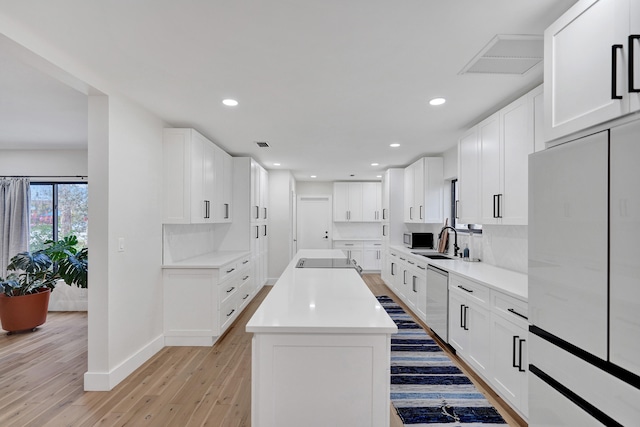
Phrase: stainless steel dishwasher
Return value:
(438, 301)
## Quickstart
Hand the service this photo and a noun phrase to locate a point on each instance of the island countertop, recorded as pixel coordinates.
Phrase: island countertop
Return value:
(320, 300)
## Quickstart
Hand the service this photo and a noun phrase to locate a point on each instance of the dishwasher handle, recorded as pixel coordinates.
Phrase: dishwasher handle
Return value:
(438, 270)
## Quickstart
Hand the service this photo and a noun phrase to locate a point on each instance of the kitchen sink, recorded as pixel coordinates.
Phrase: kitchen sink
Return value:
(437, 256)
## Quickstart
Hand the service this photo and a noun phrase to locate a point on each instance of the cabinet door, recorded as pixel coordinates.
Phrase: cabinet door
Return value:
(340, 201)
(176, 174)
(490, 168)
(457, 318)
(264, 194)
(578, 70)
(370, 201)
(467, 208)
(634, 43)
(624, 234)
(517, 144)
(227, 191)
(509, 365)
(479, 333)
(409, 213)
(420, 285)
(538, 118)
(433, 192)
(209, 183)
(418, 190)
(255, 191)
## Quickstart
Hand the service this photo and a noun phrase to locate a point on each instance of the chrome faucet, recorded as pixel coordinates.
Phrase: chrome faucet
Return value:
(455, 241)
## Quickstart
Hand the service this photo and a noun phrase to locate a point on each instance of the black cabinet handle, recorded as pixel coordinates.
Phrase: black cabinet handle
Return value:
(465, 289)
(206, 209)
(511, 310)
(257, 212)
(499, 206)
(245, 297)
(466, 327)
(245, 278)
(495, 206)
(520, 355)
(456, 210)
(410, 212)
(265, 230)
(231, 312)
(257, 232)
(229, 271)
(384, 231)
(245, 261)
(414, 284)
(462, 316)
(632, 87)
(513, 352)
(226, 211)
(421, 208)
(384, 213)
(230, 289)
(411, 262)
(265, 213)
(392, 272)
(404, 277)
(614, 71)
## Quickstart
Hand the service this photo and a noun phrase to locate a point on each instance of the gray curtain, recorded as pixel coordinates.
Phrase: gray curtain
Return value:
(14, 219)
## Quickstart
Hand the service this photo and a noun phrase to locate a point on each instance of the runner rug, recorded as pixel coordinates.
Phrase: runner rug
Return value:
(427, 388)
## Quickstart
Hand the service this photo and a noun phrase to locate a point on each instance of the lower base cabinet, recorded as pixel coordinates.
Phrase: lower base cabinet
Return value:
(367, 254)
(201, 303)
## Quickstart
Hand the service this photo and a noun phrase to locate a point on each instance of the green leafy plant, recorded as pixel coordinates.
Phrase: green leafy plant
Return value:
(33, 271)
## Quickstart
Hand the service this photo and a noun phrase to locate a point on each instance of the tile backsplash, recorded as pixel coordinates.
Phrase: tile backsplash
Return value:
(506, 246)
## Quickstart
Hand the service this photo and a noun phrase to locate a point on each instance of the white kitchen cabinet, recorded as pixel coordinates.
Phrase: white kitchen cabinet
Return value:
(372, 256)
(469, 322)
(509, 366)
(371, 201)
(586, 70)
(468, 203)
(506, 140)
(352, 250)
(624, 234)
(201, 303)
(357, 201)
(424, 191)
(194, 186)
(539, 137)
(418, 290)
(259, 192)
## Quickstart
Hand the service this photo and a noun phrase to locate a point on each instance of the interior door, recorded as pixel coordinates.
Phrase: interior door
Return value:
(314, 222)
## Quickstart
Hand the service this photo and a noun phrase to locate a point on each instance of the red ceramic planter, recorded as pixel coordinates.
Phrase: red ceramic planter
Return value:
(24, 312)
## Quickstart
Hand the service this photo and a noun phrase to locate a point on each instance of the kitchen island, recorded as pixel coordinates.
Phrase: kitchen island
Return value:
(321, 350)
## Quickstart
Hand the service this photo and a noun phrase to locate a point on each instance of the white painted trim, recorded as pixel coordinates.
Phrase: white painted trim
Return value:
(105, 381)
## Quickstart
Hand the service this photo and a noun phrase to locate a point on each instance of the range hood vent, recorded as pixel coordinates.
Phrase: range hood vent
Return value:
(507, 54)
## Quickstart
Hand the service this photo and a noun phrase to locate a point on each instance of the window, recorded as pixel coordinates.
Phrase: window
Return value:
(56, 211)
(471, 228)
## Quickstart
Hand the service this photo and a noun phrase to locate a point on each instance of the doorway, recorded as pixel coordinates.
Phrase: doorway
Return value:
(314, 218)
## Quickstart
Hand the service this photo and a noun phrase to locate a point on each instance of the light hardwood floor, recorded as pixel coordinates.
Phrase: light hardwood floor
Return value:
(41, 379)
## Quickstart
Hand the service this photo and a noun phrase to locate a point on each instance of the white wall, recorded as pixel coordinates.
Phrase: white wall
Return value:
(44, 162)
(314, 188)
(450, 159)
(125, 293)
(281, 188)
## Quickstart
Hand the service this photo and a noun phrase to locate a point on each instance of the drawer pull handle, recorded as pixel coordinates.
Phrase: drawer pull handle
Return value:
(245, 297)
(231, 312)
(229, 271)
(245, 278)
(411, 262)
(421, 267)
(511, 310)
(245, 261)
(465, 289)
(231, 289)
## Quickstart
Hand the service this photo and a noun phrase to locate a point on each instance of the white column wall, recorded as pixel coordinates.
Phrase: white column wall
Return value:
(281, 184)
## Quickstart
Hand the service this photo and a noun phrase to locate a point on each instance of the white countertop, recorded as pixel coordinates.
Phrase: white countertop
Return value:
(503, 280)
(320, 300)
(209, 260)
(357, 239)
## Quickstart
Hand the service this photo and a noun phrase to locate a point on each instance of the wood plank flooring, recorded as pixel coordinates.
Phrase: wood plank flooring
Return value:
(41, 379)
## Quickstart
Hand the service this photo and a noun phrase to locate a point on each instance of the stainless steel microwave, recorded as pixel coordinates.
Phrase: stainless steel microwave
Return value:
(418, 240)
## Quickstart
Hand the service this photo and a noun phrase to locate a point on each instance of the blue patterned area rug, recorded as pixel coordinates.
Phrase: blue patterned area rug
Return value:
(427, 388)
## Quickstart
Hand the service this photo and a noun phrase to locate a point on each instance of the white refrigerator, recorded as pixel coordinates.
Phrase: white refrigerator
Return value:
(584, 281)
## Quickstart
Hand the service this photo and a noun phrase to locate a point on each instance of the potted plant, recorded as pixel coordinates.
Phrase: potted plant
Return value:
(24, 293)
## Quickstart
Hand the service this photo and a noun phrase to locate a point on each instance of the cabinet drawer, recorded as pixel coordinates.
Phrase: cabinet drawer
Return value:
(228, 312)
(227, 270)
(347, 245)
(245, 262)
(228, 289)
(509, 307)
(473, 290)
(372, 245)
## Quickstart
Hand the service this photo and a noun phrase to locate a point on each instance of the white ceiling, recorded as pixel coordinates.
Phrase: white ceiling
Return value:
(328, 84)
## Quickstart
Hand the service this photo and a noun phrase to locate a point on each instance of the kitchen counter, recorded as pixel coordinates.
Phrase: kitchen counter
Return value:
(321, 350)
(503, 280)
(319, 300)
(209, 260)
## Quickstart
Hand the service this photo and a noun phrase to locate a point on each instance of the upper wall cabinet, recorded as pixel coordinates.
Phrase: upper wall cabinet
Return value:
(357, 201)
(424, 191)
(259, 192)
(493, 165)
(196, 179)
(590, 71)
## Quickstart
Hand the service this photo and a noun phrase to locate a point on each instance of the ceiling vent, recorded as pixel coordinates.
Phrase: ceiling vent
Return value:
(507, 54)
(262, 144)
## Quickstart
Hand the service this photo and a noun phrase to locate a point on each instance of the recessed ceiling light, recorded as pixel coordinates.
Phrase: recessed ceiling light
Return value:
(230, 102)
(375, 164)
(378, 176)
(394, 145)
(312, 176)
(437, 101)
(276, 164)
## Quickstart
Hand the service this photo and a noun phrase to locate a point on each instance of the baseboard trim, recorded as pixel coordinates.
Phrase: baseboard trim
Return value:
(105, 381)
